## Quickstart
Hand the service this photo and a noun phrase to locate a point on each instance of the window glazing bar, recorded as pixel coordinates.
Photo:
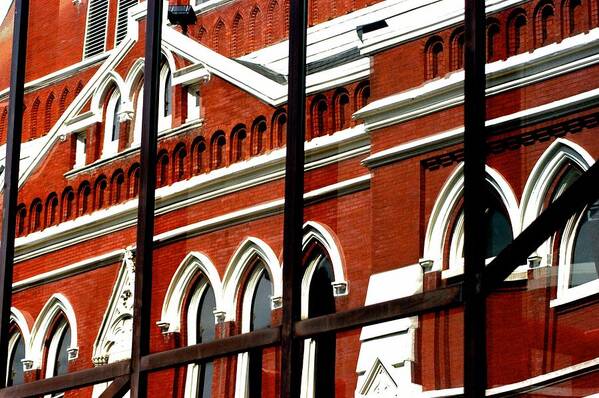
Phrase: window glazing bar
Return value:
(475, 358)
(11, 175)
(291, 355)
(145, 212)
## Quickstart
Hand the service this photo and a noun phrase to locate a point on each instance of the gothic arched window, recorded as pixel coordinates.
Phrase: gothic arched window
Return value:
(16, 354)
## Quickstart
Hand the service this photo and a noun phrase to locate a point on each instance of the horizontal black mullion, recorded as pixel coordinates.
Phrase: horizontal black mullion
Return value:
(381, 312)
(583, 191)
(69, 381)
(214, 349)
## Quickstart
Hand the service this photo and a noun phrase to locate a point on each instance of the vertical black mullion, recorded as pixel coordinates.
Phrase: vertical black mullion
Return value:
(475, 358)
(291, 354)
(145, 212)
(11, 175)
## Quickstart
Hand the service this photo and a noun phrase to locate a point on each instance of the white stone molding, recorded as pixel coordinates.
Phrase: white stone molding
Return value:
(103, 87)
(450, 194)
(56, 305)
(317, 232)
(22, 325)
(540, 180)
(193, 264)
(113, 342)
(250, 250)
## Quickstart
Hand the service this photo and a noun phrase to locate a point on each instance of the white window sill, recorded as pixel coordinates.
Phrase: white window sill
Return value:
(570, 295)
(208, 5)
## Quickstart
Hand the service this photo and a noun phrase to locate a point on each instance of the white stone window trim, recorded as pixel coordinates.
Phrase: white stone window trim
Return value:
(53, 353)
(193, 370)
(54, 307)
(165, 122)
(243, 359)
(566, 294)
(172, 309)
(80, 149)
(110, 146)
(540, 180)
(22, 326)
(137, 125)
(194, 102)
(439, 224)
(12, 342)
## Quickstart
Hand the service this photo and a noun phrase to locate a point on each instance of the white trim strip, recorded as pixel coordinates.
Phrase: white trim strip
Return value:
(69, 270)
(456, 136)
(216, 223)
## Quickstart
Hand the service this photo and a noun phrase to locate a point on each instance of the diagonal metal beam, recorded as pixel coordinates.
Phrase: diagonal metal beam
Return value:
(11, 176)
(117, 388)
(145, 212)
(583, 191)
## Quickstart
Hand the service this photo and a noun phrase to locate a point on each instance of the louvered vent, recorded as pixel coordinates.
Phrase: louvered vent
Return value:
(95, 35)
(121, 24)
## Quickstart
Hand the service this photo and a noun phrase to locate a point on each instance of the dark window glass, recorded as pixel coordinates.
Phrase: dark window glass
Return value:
(168, 96)
(61, 362)
(261, 303)
(322, 302)
(499, 231)
(115, 120)
(205, 333)
(585, 258)
(15, 375)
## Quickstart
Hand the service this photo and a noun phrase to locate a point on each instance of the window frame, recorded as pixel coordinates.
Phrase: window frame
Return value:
(111, 147)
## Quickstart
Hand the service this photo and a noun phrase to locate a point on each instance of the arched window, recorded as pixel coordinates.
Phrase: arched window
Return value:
(100, 192)
(51, 210)
(48, 115)
(361, 95)
(279, 128)
(16, 354)
(319, 114)
(238, 136)
(21, 219)
(259, 138)
(57, 345)
(162, 172)
(217, 149)
(83, 197)
(201, 329)
(492, 40)
(585, 251)
(498, 233)
(574, 16)
(434, 58)
(116, 190)
(198, 155)
(179, 156)
(518, 33)
(341, 113)
(166, 99)
(35, 214)
(68, 200)
(544, 23)
(133, 180)
(112, 125)
(256, 309)
(457, 49)
(237, 36)
(137, 124)
(321, 351)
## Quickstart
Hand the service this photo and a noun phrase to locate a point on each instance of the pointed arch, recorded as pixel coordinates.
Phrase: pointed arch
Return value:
(237, 36)
(22, 322)
(319, 235)
(202, 35)
(556, 156)
(256, 29)
(62, 105)
(112, 81)
(272, 29)
(446, 202)
(48, 114)
(3, 122)
(33, 118)
(54, 307)
(195, 264)
(219, 38)
(249, 251)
